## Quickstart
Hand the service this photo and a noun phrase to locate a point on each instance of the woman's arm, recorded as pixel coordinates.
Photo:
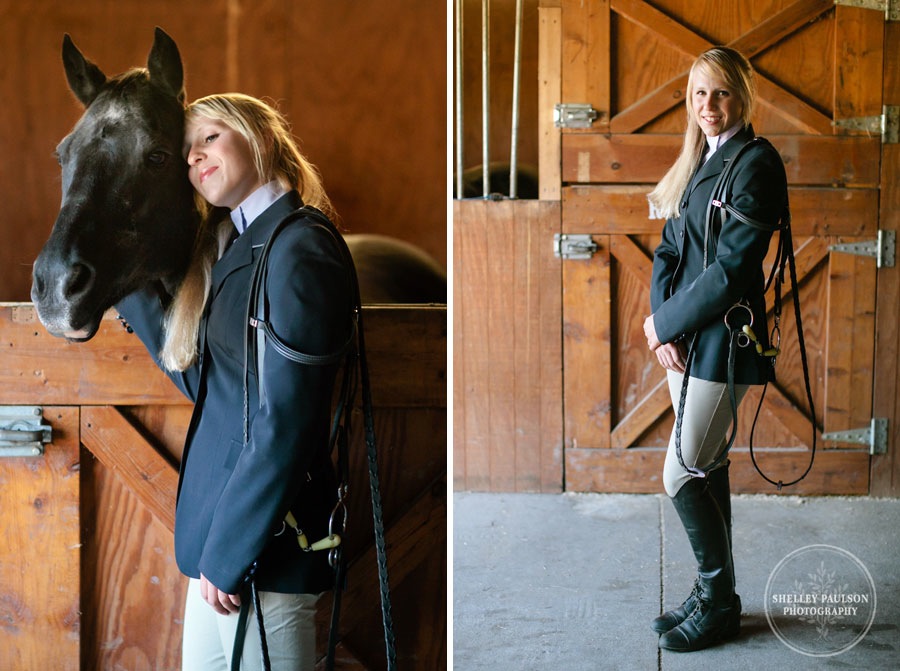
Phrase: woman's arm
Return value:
(665, 262)
(145, 314)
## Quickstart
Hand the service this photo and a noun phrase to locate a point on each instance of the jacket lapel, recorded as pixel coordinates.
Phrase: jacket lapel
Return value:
(717, 162)
(240, 253)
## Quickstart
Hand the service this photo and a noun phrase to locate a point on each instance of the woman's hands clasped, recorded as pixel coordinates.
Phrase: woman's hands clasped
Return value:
(671, 356)
(222, 603)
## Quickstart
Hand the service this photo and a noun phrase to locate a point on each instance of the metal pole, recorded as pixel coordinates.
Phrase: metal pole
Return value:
(485, 97)
(514, 133)
(459, 99)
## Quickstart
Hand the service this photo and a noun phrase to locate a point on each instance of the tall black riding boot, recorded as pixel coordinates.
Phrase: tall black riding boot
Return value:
(717, 614)
(720, 488)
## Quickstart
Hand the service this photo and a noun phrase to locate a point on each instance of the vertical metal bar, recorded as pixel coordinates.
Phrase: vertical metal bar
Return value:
(485, 97)
(459, 99)
(514, 132)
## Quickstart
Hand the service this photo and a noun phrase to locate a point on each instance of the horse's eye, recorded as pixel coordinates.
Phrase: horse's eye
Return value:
(156, 158)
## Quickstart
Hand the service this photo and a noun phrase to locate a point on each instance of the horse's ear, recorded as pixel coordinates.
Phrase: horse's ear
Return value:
(85, 78)
(164, 64)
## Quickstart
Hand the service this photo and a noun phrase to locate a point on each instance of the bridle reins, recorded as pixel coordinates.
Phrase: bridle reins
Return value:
(259, 337)
(739, 327)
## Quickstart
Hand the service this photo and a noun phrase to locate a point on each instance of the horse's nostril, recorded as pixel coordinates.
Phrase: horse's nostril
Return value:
(79, 281)
(38, 282)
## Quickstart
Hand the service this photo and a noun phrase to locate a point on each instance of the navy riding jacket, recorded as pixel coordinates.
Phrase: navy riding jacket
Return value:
(687, 298)
(232, 498)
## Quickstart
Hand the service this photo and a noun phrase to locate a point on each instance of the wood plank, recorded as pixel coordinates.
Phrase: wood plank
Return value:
(129, 571)
(858, 62)
(113, 367)
(411, 540)
(548, 314)
(508, 359)
(780, 25)
(886, 400)
(146, 473)
(635, 158)
(801, 115)
(40, 558)
(535, 295)
(586, 348)
(639, 471)
(549, 94)
(472, 334)
(668, 30)
(586, 57)
(686, 41)
(851, 341)
(632, 257)
(642, 416)
(407, 352)
(793, 417)
(344, 659)
(406, 349)
(653, 105)
(624, 209)
(501, 373)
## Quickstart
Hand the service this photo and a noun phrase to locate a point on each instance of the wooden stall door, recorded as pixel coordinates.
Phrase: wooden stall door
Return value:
(39, 552)
(630, 60)
(88, 579)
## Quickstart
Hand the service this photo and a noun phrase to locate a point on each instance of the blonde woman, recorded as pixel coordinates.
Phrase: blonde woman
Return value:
(233, 497)
(705, 265)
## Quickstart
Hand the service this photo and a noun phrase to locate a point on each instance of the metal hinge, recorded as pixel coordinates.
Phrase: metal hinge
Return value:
(887, 124)
(567, 246)
(891, 8)
(574, 115)
(22, 431)
(883, 248)
(875, 436)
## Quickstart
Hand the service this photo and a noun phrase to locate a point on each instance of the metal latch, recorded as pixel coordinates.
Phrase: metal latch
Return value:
(886, 124)
(566, 246)
(875, 436)
(882, 248)
(574, 115)
(891, 8)
(22, 431)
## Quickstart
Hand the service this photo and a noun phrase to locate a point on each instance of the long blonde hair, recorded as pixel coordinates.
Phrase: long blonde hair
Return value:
(276, 157)
(737, 73)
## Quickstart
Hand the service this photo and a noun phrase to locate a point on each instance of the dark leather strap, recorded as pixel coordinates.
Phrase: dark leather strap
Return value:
(719, 200)
(258, 333)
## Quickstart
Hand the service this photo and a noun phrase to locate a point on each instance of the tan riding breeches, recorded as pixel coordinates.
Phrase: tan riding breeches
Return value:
(290, 628)
(704, 429)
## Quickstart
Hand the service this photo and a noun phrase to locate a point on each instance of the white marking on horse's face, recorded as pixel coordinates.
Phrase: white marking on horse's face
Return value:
(114, 112)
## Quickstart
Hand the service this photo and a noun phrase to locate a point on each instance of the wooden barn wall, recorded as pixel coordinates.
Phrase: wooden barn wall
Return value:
(363, 84)
(502, 35)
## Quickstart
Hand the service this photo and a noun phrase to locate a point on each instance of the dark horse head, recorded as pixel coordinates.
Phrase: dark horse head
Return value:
(127, 216)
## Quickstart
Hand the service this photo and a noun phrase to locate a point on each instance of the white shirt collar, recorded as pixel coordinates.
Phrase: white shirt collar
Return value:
(717, 141)
(255, 204)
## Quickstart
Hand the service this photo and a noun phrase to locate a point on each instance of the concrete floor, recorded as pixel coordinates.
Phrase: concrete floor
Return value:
(572, 581)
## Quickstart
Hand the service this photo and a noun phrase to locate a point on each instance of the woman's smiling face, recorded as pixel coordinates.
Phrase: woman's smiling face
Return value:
(221, 163)
(715, 105)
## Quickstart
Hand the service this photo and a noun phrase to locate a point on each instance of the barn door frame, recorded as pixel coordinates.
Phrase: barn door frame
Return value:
(579, 165)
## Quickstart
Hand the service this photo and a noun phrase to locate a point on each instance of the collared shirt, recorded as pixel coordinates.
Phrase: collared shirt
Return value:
(716, 141)
(255, 204)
